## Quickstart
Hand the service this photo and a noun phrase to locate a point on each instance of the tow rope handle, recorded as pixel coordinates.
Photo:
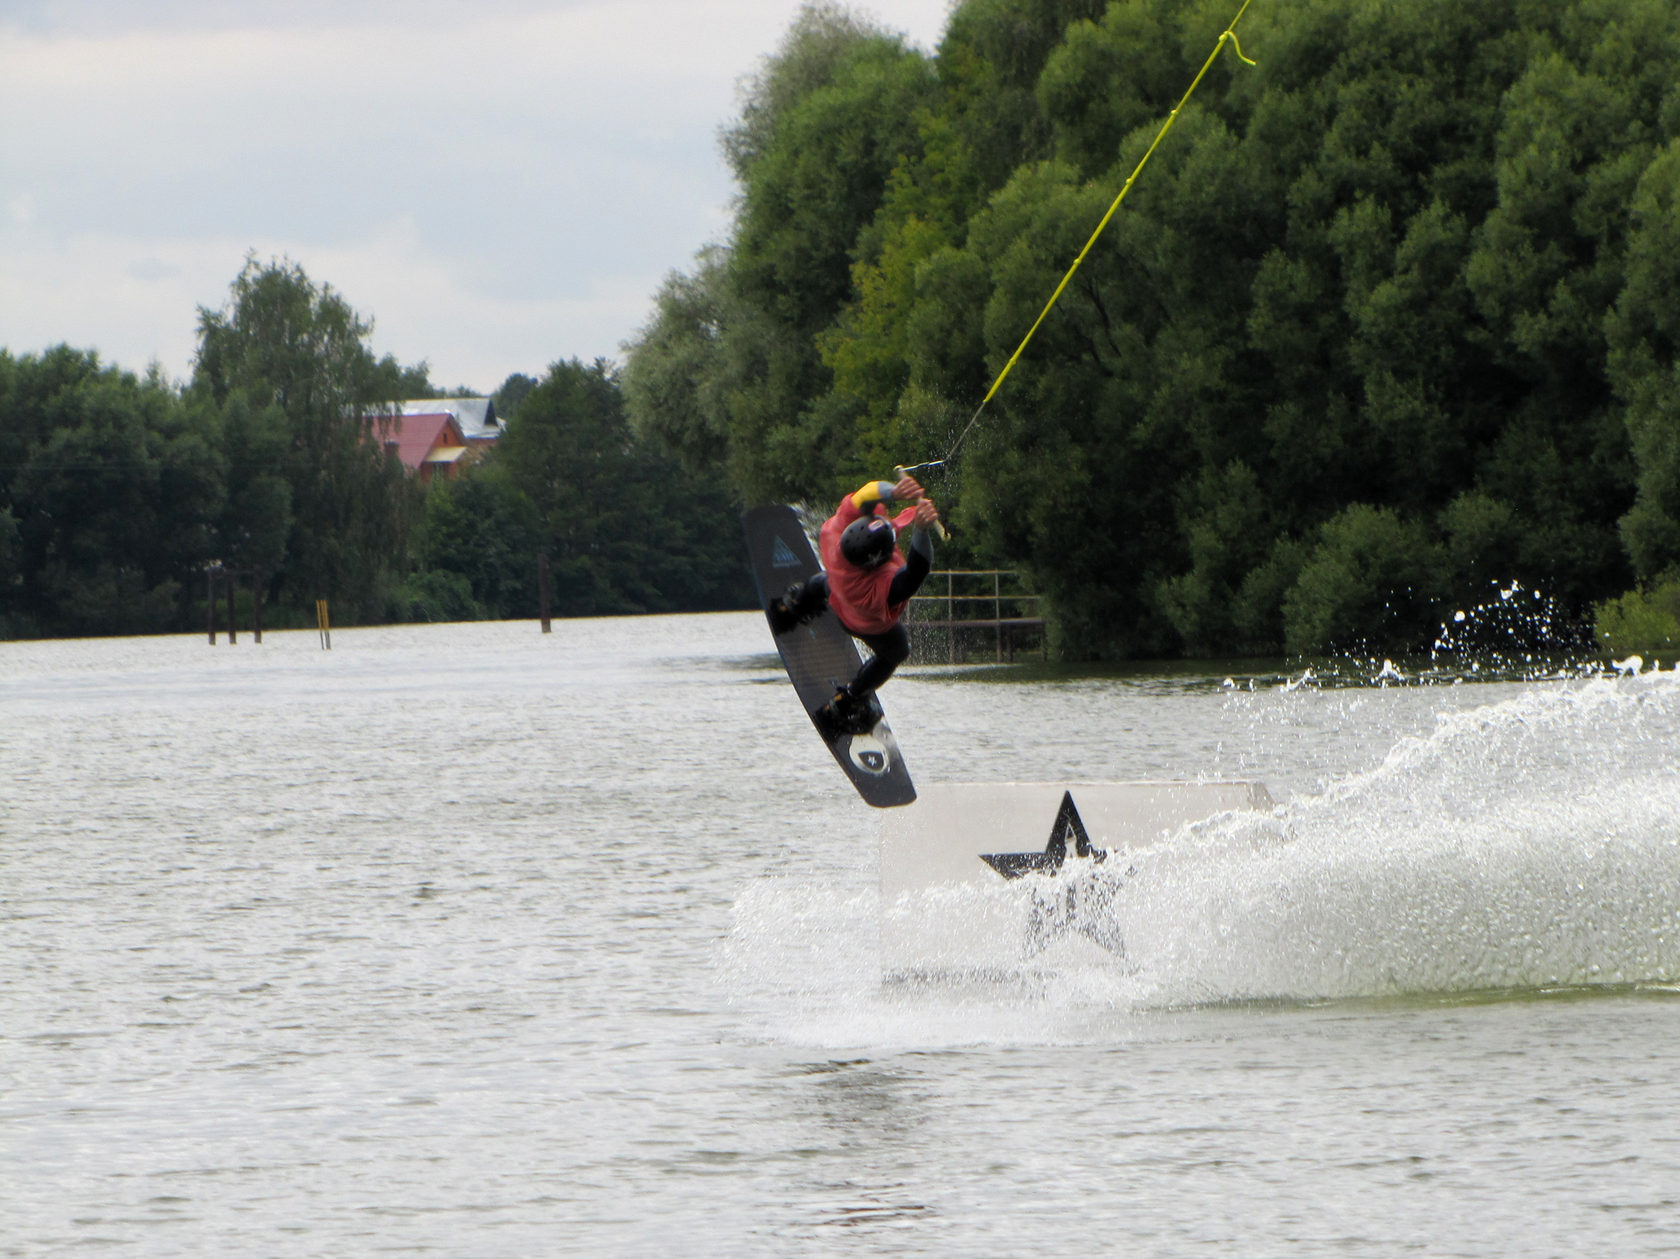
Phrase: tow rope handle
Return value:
(900, 472)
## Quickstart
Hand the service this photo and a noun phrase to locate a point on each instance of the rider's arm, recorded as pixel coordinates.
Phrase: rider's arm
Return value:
(918, 563)
(871, 493)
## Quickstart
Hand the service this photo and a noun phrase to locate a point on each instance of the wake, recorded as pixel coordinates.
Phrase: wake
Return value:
(1533, 843)
(1528, 845)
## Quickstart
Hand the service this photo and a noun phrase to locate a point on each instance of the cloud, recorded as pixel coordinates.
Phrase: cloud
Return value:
(148, 269)
(498, 185)
(102, 292)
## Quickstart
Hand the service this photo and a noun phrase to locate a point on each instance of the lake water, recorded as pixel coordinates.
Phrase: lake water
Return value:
(471, 941)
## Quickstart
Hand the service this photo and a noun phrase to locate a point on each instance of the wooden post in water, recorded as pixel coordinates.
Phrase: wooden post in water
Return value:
(256, 602)
(231, 577)
(543, 591)
(323, 625)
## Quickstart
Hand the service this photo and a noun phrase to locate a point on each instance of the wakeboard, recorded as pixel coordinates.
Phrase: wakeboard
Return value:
(820, 656)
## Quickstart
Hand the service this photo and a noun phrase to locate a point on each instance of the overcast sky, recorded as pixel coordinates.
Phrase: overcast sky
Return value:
(497, 183)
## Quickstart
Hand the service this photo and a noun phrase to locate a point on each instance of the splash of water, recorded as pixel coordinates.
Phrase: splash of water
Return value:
(1516, 634)
(1528, 845)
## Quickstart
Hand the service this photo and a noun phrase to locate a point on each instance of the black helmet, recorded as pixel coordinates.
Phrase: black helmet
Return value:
(867, 542)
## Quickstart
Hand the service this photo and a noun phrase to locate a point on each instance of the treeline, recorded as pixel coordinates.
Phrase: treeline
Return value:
(626, 526)
(1390, 316)
(117, 491)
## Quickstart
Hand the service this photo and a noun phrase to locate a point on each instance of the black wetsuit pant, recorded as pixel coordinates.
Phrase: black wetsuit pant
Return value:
(891, 647)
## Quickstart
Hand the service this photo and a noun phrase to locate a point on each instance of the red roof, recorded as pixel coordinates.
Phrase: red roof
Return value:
(413, 437)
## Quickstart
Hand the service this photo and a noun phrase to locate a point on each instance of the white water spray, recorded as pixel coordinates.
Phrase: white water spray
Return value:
(1534, 843)
(1527, 845)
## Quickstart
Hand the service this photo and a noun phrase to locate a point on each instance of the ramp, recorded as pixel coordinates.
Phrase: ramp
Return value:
(983, 877)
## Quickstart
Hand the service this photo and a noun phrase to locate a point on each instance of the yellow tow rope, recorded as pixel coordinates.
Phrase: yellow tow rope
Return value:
(1230, 33)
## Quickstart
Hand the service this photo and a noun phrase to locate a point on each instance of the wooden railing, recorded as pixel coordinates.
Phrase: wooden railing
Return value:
(975, 603)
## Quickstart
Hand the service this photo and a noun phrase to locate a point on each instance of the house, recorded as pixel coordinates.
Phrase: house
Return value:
(475, 417)
(428, 445)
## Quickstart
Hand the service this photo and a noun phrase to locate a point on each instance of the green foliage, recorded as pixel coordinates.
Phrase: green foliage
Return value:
(512, 392)
(257, 520)
(674, 382)
(108, 497)
(1644, 620)
(1225, 520)
(989, 69)
(11, 551)
(289, 362)
(436, 595)
(1110, 76)
(123, 489)
(625, 526)
(1644, 334)
(483, 531)
(119, 491)
(1389, 314)
(823, 128)
(1372, 580)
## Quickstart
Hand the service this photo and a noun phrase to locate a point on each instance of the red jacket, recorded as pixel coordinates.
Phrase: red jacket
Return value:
(859, 595)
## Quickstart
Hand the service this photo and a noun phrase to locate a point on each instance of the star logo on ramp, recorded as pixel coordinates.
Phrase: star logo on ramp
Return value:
(1067, 826)
(1084, 904)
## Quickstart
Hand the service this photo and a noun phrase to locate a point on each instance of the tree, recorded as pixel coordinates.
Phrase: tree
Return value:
(483, 531)
(108, 511)
(512, 392)
(821, 131)
(1371, 581)
(290, 363)
(626, 527)
(676, 376)
(1644, 334)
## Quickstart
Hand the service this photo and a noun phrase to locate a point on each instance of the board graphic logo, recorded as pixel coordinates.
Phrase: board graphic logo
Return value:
(869, 754)
(782, 556)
